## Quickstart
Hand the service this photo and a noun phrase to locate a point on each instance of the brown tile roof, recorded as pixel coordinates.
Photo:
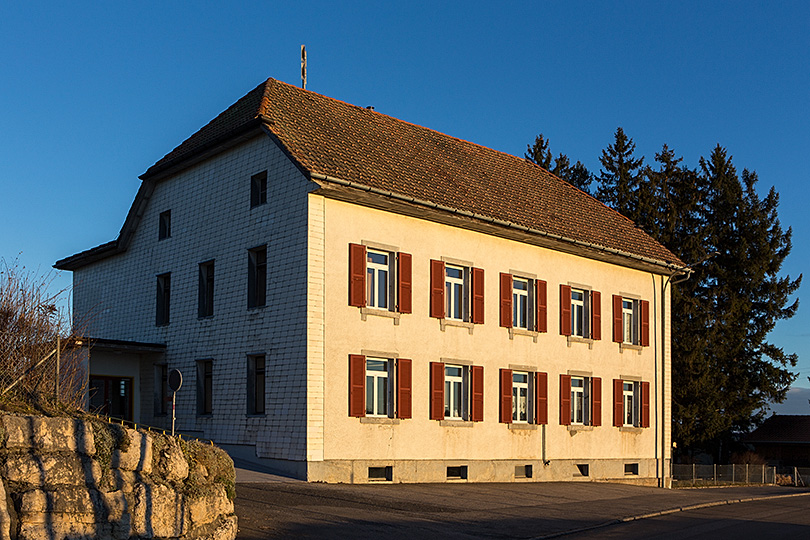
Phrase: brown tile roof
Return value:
(782, 428)
(333, 138)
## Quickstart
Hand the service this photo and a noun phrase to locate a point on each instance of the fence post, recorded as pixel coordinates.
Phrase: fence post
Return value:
(693, 475)
(732, 473)
(715, 474)
(58, 358)
(763, 474)
(795, 477)
(747, 477)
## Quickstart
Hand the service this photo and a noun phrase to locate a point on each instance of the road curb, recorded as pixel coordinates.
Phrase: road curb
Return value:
(668, 512)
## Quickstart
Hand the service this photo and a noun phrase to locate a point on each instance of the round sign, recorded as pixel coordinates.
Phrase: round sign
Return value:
(175, 380)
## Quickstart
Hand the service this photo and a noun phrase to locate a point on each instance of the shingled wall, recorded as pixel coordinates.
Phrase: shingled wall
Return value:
(84, 478)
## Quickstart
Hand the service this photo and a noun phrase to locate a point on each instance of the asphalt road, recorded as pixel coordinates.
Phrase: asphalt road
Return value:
(775, 518)
(519, 510)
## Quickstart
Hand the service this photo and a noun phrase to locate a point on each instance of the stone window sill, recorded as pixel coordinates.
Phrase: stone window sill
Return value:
(523, 332)
(578, 427)
(377, 420)
(630, 347)
(365, 312)
(577, 339)
(456, 423)
(444, 323)
(630, 429)
(519, 426)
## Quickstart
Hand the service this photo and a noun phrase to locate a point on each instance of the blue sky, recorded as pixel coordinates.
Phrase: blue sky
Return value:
(94, 93)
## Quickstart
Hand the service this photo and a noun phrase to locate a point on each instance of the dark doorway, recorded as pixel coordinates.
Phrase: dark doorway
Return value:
(111, 396)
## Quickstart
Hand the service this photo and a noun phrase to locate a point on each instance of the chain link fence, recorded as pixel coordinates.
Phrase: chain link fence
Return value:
(694, 475)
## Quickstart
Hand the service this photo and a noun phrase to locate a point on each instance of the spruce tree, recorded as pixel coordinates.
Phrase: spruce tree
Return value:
(577, 174)
(620, 177)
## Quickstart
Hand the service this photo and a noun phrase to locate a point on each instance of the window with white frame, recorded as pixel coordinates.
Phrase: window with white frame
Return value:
(521, 397)
(522, 303)
(379, 285)
(629, 321)
(580, 400)
(630, 401)
(580, 313)
(455, 292)
(378, 388)
(455, 396)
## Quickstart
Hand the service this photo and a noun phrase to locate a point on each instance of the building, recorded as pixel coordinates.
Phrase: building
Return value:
(783, 440)
(352, 298)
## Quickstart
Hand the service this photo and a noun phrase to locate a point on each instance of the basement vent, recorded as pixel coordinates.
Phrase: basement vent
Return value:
(582, 469)
(380, 474)
(631, 469)
(457, 473)
(523, 471)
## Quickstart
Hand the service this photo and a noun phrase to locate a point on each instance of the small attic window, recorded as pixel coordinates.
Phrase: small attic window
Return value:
(258, 189)
(165, 226)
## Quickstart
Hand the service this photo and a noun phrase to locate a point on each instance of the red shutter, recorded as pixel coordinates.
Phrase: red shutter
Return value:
(596, 315)
(618, 330)
(541, 398)
(404, 384)
(618, 401)
(506, 396)
(437, 290)
(436, 391)
(645, 323)
(478, 296)
(565, 313)
(357, 275)
(541, 317)
(477, 409)
(506, 300)
(596, 398)
(404, 273)
(565, 399)
(357, 385)
(645, 404)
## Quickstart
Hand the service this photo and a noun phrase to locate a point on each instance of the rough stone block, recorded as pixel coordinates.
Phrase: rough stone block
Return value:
(158, 511)
(171, 463)
(209, 507)
(138, 456)
(53, 470)
(5, 516)
(49, 435)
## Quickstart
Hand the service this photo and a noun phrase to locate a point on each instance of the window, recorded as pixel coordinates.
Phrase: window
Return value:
(523, 397)
(631, 321)
(631, 403)
(457, 472)
(379, 290)
(455, 399)
(161, 389)
(523, 303)
(580, 400)
(205, 379)
(258, 189)
(256, 384)
(456, 292)
(164, 282)
(205, 307)
(379, 387)
(165, 225)
(379, 279)
(381, 474)
(580, 312)
(456, 392)
(631, 469)
(257, 277)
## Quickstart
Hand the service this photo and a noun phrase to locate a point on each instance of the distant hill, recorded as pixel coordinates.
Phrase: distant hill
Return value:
(796, 402)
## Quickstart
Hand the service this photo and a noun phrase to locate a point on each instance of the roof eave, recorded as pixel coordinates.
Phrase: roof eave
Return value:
(585, 248)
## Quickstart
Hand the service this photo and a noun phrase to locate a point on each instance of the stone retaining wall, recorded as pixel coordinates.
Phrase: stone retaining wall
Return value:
(82, 479)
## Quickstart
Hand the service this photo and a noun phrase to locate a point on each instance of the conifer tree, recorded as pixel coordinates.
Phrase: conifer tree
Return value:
(577, 174)
(619, 179)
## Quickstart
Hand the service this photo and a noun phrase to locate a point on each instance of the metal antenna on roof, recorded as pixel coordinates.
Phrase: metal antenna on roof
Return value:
(303, 67)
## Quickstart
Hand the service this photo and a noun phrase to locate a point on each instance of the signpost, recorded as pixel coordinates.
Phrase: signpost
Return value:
(175, 382)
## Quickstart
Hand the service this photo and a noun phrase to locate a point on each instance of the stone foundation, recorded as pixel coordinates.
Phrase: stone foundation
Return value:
(81, 479)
